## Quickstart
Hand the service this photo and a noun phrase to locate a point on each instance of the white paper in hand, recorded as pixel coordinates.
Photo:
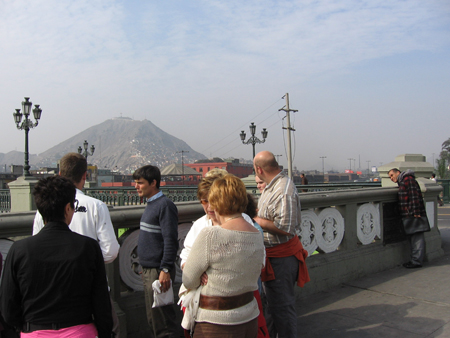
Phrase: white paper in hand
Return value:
(161, 298)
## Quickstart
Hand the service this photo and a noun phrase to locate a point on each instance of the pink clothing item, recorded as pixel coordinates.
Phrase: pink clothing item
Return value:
(77, 331)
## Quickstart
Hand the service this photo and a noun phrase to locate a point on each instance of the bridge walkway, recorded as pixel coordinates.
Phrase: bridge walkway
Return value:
(413, 303)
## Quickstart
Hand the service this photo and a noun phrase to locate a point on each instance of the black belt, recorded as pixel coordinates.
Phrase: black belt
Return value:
(30, 327)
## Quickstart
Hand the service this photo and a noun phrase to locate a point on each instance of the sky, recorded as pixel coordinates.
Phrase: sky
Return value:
(370, 80)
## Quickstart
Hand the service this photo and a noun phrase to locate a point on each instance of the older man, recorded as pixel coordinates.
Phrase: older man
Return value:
(411, 205)
(279, 216)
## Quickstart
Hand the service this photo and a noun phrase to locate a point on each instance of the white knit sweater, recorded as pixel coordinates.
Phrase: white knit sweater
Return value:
(233, 261)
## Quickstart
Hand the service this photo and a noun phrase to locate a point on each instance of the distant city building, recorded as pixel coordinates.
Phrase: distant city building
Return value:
(177, 174)
(6, 178)
(233, 167)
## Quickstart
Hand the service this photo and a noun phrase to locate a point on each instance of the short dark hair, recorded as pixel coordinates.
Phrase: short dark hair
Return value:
(73, 166)
(51, 195)
(149, 173)
(395, 170)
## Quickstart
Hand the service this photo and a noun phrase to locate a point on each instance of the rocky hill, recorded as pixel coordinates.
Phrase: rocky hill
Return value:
(13, 157)
(122, 144)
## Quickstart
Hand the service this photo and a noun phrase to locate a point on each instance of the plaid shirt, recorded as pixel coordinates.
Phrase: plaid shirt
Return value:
(280, 204)
(410, 198)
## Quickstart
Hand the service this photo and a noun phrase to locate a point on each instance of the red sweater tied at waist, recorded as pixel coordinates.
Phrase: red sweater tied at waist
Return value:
(293, 247)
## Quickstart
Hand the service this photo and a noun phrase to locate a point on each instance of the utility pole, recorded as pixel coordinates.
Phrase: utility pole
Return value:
(288, 128)
(182, 163)
(351, 159)
(323, 164)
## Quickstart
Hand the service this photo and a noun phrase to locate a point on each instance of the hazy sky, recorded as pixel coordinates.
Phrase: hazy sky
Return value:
(370, 79)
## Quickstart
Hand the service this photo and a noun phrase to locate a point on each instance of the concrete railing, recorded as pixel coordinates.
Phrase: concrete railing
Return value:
(356, 232)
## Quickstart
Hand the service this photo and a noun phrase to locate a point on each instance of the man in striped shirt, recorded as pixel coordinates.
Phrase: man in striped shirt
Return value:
(279, 215)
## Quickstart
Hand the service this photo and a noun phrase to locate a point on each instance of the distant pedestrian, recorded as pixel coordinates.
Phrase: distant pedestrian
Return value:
(157, 249)
(411, 207)
(304, 181)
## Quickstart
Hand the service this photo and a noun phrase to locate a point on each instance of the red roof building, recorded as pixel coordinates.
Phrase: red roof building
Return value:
(234, 167)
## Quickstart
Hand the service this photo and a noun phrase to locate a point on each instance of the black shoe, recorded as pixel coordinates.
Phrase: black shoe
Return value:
(411, 265)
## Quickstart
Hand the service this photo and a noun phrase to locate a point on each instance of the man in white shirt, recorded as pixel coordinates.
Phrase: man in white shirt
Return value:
(91, 216)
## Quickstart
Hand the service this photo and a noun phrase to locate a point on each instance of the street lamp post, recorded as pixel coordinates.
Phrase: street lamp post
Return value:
(253, 139)
(26, 125)
(86, 153)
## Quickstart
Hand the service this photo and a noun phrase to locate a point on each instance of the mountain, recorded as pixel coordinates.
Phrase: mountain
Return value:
(122, 144)
(13, 157)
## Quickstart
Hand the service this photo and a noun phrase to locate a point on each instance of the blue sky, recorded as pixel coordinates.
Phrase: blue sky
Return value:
(370, 79)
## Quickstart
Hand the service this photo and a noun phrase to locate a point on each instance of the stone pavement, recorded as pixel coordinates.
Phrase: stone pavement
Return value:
(398, 302)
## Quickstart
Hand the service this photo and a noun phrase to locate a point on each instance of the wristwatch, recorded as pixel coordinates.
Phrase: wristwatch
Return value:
(165, 270)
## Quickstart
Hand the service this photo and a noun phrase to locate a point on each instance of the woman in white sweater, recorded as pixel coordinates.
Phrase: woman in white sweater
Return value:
(232, 256)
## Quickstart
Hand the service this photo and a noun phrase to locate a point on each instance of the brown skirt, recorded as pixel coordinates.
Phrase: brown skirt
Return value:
(208, 330)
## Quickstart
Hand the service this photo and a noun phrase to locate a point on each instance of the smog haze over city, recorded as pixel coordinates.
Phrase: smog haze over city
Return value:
(370, 79)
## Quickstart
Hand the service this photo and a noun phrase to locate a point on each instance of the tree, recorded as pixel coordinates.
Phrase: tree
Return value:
(443, 160)
(441, 166)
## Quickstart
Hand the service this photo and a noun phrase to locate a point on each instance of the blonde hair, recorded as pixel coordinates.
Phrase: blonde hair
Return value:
(228, 195)
(207, 181)
(216, 172)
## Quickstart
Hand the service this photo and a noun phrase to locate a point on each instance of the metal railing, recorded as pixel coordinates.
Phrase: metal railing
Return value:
(5, 200)
(446, 192)
(123, 196)
(127, 196)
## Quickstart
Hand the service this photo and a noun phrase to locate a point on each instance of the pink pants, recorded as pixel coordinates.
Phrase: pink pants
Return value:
(78, 331)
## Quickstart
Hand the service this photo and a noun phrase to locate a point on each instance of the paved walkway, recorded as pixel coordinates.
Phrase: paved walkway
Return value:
(399, 302)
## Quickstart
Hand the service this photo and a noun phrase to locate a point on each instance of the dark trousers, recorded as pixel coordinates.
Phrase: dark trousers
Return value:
(281, 315)
(208, 330)
(417, 242)
(162, 320)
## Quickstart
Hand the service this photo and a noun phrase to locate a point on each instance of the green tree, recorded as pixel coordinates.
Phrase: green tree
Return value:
(441, 167)
(443, 160)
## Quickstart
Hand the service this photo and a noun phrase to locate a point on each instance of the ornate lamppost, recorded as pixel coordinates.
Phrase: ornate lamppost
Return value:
(86, 153)
(26, 125)
(253, 139)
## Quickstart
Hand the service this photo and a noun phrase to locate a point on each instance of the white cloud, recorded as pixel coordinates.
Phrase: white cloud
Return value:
(196, 61)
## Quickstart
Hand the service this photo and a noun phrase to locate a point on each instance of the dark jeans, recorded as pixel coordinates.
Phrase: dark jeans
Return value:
(281, 315)
(417, 242)
(162, 320)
